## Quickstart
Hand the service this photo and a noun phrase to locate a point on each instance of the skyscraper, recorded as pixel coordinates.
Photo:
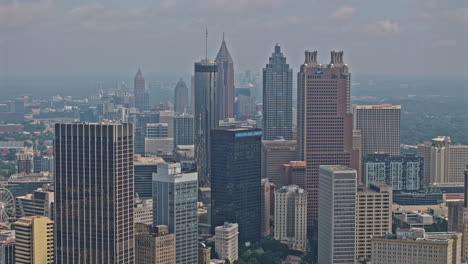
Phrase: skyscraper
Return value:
(458, 217)
(183, 130)
(94, 193)
(144, 167)
(276, 153)
(175, 205)
(154, 245)
(337, 223)
(205, 116)
(181, 97)
(325, 122)
(141, 92)
(34, 240)
(224, 84)
(277, 97)
(380, 128)
(226, 241)
(291, 217)
(236, 180)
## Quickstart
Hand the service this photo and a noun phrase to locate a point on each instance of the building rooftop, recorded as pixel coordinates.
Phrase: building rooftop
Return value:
(139, 160)
(383, 106)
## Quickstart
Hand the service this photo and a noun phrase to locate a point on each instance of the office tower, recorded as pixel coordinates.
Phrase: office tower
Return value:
(24, 163)
(34, 240)
(205, 116)
(154, 245)
(40, 202)
(403, 173)
(236, 180)
(245, 104)
(157, 130)
(417, 246)
(204, 254)
(183, 130)
(277, 97)
(337, 210)
(143, 211)
(266, 205)
(380, 128)
(7, 250)
(43, 163)
(224, 84)
(373, 216)
(144, 167)
(458, 217)
(291, 217)
(444, 161)
(94, 163)
(325, 122)
(276, 153)
(146, 118)
(168, 118)
(181, 97)
(295, 173)
(357, 146)
(139, 141)
(175, 205)
(226, 241)
(162, 147)
(141, 92)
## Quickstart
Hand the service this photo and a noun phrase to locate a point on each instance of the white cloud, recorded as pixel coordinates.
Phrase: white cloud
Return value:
(343, 13)
(20, 13)
(444, 43)
(240, 6)
(385, 27)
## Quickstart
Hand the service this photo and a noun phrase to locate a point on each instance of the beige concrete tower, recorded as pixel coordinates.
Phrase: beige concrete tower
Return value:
(34, 240)
(226, 241)
(154, 245)
(291, 217)
(373, 216)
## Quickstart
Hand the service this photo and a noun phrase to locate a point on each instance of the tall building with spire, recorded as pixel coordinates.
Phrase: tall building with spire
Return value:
(181, 97)
(225, 83)
(277, 97)
(141, 92)
(325, 122)
(205, 116)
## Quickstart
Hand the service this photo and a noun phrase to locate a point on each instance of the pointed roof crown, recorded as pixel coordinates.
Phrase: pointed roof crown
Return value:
(139, 75)
(223, 54)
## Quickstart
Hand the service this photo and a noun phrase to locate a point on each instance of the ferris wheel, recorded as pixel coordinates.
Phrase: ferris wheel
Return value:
(7, 206)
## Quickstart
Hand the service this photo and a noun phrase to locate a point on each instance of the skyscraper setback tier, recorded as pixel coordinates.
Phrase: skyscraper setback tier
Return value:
(140, 92)
(380, 128)
(224, 84)
(325, 122)
(236, 180)
(94, 193)
(205, 116)
(277, 97)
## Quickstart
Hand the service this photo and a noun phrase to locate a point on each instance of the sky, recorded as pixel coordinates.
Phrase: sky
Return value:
(87, 37)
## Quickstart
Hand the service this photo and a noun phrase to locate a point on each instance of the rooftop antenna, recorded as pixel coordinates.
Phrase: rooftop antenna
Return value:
(223, 36)
(206, 44)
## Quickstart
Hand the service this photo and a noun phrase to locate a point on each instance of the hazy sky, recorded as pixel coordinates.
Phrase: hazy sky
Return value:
(71, 37)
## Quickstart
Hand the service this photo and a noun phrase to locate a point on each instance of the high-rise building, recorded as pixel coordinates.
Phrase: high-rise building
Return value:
(157, 130)
(40, 202)
(181, 97)
(224, 84)
(94, 193)
(444, 161)
(337, 216)
(357, 146)
(236, 180)
(403, 173)
(144, 168)
(380, 128)
(143, 211)
(139, 141)
(183, 130)
(141, 92)
(175, 205)
(325, 122)
(226, 241)
(7, 250)
(276, 153)
(205, 117)
(373, 216)
(168, 118)
(34, 240)
(267, 189)
(154, 245)
(417, 246)
(245, 103)
(291, 217)
(458, 218)
(24, 162)
(277, 97)
(204, 254)
(295, 173)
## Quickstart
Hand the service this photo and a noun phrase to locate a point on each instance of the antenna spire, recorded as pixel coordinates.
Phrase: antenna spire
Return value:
(206, 44)
(223, 36)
